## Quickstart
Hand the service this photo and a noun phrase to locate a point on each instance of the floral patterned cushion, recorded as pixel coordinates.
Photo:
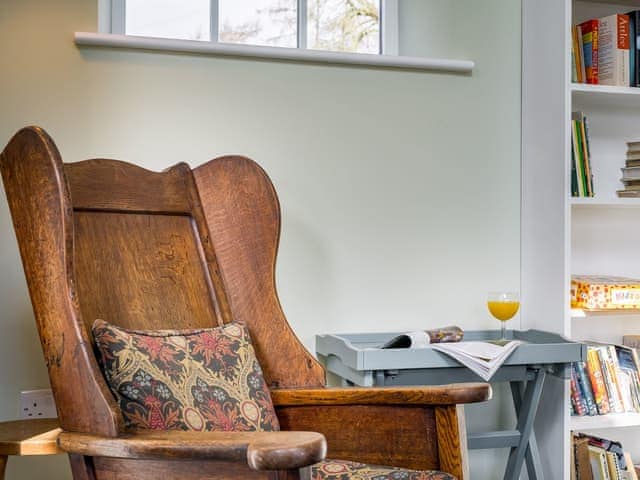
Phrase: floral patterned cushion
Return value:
(344, 470)
(203, 380)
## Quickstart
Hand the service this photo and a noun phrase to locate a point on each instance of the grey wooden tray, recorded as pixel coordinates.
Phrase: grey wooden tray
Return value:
(356, 358)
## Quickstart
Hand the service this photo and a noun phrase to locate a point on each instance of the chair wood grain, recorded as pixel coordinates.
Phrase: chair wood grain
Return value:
(451, 394)
(30, 437)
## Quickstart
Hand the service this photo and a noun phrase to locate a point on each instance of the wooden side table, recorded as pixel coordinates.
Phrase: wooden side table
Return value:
(28, 437)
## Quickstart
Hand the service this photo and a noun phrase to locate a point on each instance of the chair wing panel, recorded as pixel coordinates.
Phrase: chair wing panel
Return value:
(243, 215)
(40, 207)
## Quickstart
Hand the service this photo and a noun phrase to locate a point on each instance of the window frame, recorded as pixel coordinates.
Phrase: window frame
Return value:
(112, 19)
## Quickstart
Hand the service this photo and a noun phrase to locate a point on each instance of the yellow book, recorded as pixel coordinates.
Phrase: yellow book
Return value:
(590, 292)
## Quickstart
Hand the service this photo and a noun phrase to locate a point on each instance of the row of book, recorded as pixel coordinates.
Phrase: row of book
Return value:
(605, 50)
(631, 172)
(581, 173)
(595, 458)
(608, 382)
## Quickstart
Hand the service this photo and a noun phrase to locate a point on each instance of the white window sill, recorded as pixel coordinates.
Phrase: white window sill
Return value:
(278, 53)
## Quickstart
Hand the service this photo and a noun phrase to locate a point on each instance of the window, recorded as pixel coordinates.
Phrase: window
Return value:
(358, 26)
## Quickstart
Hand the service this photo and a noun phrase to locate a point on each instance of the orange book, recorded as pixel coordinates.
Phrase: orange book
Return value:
(590, 30)
(597, 381)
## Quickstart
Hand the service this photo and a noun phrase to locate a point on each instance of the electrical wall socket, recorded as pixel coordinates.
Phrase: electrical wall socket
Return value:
(37, 404)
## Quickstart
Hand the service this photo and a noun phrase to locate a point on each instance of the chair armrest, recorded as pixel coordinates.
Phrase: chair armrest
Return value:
(258, 450)
(452, 394)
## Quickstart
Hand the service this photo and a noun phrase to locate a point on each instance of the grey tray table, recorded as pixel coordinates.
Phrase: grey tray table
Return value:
(357, 360)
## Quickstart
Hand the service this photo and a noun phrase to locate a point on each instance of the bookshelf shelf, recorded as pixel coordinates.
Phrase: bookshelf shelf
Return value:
(604, 202)
(579, 313)
(603, 96)
(604, 90)
(611, 420)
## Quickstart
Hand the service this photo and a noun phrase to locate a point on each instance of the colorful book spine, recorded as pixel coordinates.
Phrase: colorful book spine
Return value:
(597, 381)
(613, 50)
(585, 388)
(610, 380)
(577, 55)
(578, 402)
(590, 49)
(621, 387)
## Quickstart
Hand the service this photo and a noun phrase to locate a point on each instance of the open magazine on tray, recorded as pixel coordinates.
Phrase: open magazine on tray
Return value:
(483, 358)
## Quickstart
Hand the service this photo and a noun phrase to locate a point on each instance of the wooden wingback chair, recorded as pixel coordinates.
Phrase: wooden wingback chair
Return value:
(187, 249)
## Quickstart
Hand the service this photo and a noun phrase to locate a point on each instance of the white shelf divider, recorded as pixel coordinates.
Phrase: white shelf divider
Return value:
(604, 89)
(604, 202)
(611, 420)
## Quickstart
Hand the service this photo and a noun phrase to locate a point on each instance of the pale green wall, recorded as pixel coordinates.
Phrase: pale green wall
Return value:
(400, 190)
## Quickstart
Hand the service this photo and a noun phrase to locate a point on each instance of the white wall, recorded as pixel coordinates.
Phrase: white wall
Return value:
(400, 190)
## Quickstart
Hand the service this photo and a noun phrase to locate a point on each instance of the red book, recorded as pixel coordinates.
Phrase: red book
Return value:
(590, 31)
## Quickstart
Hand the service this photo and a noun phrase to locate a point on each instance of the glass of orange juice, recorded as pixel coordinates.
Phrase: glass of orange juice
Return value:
(503, 306)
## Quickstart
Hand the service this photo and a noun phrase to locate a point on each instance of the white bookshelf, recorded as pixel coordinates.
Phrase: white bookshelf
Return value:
(562, 235)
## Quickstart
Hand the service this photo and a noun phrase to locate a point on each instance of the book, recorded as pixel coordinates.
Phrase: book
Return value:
(483, 358)
(628, 369)
(598, 460)
(581, 463)
(579, 154)
(608, 375)
(630, 173)
(590, 50)
(613, 50)
(634, 45)
(633, 146)
(577, 400)
(592, 292)
(632, 341)
(582, 179)
(631, 186)
(628, 193)
(613, 466)
(584, 385)
(577, 51)
(587, 148)
(597, 381)
(632, 473)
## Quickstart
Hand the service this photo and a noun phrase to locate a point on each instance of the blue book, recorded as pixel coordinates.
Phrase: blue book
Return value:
(585, 388)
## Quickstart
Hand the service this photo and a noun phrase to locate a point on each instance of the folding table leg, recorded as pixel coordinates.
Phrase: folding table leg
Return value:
(532, 455)
(528, 408)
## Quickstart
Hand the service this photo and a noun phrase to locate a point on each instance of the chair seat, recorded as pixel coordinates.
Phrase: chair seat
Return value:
(345, 470)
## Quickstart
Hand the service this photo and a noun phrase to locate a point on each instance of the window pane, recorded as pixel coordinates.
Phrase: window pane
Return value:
(344, 25)
(186, 19)
(259, 22)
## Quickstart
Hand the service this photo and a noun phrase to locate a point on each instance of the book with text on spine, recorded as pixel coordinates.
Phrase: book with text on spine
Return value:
(613, 50)
(590, 48)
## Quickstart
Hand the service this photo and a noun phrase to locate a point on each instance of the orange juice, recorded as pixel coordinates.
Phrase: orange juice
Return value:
(503, 311)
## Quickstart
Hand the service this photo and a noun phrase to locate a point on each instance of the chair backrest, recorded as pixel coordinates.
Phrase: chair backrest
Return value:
(146, 250)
